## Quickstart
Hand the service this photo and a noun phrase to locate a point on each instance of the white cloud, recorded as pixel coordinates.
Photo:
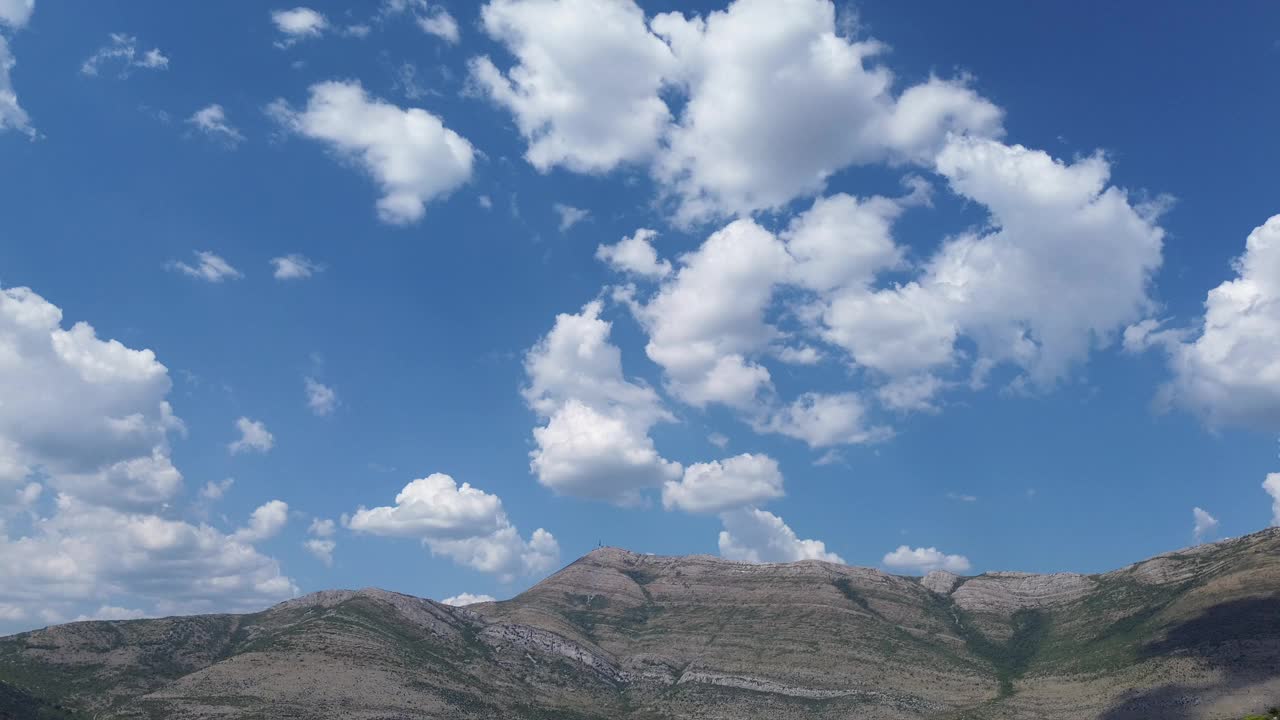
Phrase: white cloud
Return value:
(88, 414)
(756, 536)
(264, 523)
(720, 440)
(12, 116)
(823, 420)
(434, 506)
(123, 49)
(1272, 486)
(1229, 374)
(440, 23)
(294, 267)
(213, 491)
(111, 612)
(322, 549)
(321, 399)
(721, 485)
(211, 268)
(463, 523)
(923, 560)
(595, 443)
(321, 544)
(570, 216)
(1205, 525)
(16, 13)
(254, 437)
(409, 152)
(91, 553)
(841, 241)
(322, 527)
(709, 316)
(634, 254)
(1057, 232)
(464, 599)
(584, 90)
(212, 121)
(778, 101)
(297, 24)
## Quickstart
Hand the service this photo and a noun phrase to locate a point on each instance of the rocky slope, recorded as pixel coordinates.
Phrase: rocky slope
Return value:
(1188, 635)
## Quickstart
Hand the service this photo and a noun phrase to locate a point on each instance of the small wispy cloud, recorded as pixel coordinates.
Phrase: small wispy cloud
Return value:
(294, 267)
(123, 50)
(212, 121)
(209, 267)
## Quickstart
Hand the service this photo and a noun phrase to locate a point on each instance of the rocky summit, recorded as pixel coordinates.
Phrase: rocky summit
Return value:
(620, 635)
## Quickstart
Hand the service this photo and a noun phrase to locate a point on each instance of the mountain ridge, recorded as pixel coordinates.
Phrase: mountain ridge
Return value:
(1191, 634)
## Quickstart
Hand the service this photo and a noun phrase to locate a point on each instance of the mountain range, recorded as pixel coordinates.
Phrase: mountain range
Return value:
(617, 635)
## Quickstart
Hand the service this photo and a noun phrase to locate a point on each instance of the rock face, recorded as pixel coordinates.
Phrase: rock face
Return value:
(619, 635)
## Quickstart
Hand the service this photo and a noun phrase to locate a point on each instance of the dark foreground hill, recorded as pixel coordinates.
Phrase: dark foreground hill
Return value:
(617, 635)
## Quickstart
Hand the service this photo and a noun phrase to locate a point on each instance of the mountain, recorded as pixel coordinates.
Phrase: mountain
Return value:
(1193, 634)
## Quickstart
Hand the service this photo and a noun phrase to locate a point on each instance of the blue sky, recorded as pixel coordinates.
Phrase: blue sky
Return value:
(1000, 363)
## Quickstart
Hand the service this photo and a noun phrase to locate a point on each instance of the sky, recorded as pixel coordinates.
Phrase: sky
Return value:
(439, 297)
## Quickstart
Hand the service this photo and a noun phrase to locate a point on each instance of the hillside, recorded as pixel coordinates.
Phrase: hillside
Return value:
(1188, 635)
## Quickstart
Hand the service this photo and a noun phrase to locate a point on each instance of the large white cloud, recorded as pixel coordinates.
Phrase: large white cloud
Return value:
(88, 416)
(463, 523)
(1230, 372)
(86, 553)
(16, 13)
(923, 560)
(1065, 266)
(409, 152)
(595, 442)
(706, 320)
(721, 485)
(752, 535)
(584, 91)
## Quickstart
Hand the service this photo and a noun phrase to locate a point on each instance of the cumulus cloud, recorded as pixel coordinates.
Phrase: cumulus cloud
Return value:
(88, 414)
(756, 536)
(464, 599)
(12, 116)
(923, 560)
(254, 437)
(213, 491)
(294, 267)
(1058, 231)
(463, 523)
(585, 87)
(634, 254)
(89, 418)
(595, 442)
(824, 420)
(209, 267)
(1205, 525)
(1272, 486)
(85, 553)
(265, 523)
(721, 485)
(437, 21)
(212, 121)
(16, 13)
(705, 320)
(1229, 372)
(122, 50)
(322, 400)
(322, 549)
(111, 612)
(321, 543)
(409, 152)
(297, 24)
